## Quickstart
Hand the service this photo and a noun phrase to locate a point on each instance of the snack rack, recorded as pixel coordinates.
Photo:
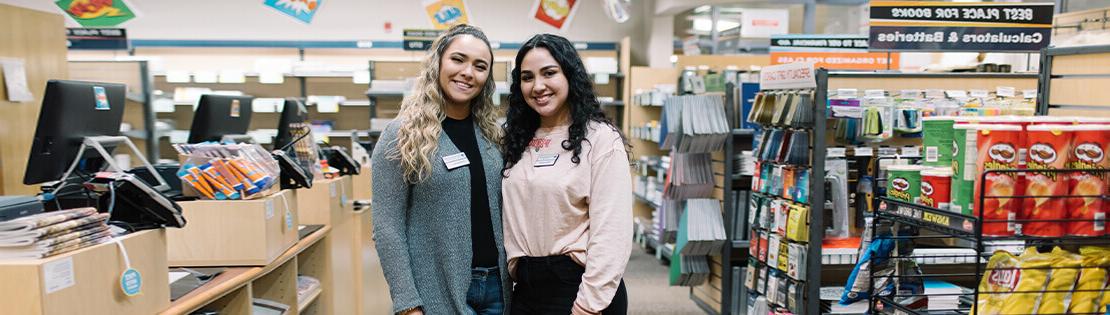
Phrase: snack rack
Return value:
(902, 222)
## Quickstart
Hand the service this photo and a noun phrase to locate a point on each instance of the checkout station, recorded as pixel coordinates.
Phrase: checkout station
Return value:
(233, 228)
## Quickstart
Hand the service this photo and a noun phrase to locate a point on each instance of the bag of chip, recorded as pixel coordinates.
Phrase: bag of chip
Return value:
(999, 279)
(1032, 280)
(1088, 293)
(1065, 268)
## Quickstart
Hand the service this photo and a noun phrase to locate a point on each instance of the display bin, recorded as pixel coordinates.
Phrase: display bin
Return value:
(326, 203)
(234, 233)
(321, 204)
(87, 281)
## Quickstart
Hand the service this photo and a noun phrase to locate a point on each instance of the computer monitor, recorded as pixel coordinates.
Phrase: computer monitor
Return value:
(294, 112)
(71, 111)
(220, 115)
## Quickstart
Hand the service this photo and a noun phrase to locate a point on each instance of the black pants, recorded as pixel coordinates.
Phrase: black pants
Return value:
(549, 285)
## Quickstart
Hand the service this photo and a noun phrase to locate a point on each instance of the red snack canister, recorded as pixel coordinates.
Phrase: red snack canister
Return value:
(1089, 147)
(936, 187)
(998, 147)
(1047, 147)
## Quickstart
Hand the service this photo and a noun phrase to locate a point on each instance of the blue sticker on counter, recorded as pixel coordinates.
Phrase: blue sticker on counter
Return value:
(288, 219)
(101, 98)
(131, 282)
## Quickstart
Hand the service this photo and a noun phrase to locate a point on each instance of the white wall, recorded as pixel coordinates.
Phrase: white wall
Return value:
(502, 20)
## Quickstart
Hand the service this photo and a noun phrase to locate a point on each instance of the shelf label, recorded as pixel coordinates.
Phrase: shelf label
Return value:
(934, 93)
(910, 93)
(956, 93)
(836, 152)
(863, 151)
(58, 275)
(1029, 93)
(980, 93)
(874, 94)
(847, 93)
(888, 151)
(1006, 91)
(911, 151)
(800, 75)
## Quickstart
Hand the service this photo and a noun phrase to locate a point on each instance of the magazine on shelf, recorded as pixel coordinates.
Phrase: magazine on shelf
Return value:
(20, 225)
(32, 252)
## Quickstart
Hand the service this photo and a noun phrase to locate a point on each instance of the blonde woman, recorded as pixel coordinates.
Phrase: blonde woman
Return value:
(437, 186)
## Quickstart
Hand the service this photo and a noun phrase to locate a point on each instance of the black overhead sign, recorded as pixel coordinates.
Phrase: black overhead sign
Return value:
(959, 26)
(96, 38)
(419, 39)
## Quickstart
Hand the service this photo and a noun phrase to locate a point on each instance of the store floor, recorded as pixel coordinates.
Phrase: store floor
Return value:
(648, 292)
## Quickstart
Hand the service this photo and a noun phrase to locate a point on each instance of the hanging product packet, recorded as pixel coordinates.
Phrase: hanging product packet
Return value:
(998, 150)
(1089, 147)
(1093, 277)
(1034, 274)
(1047, 147)
(1058, 294)
(999, 279)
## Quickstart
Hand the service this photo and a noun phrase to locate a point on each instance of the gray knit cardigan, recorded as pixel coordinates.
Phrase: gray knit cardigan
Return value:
(422, 230)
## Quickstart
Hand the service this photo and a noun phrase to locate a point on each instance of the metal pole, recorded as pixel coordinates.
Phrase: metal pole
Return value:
(714, 35)
(816, 198)
(809, 23)
(149, 117)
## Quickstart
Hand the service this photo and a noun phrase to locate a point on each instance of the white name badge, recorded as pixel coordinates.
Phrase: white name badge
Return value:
(546, 160)
(455, 161)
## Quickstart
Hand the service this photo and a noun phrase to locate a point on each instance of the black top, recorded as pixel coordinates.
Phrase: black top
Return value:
(463, 136)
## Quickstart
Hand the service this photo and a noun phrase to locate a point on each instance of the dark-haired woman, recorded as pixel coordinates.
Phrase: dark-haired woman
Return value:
(567, 188)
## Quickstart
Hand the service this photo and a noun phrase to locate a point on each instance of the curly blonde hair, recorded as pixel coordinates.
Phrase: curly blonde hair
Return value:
(422, 112)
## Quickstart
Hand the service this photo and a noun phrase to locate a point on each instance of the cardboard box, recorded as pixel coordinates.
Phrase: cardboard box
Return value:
(87, 281)
(235, 232)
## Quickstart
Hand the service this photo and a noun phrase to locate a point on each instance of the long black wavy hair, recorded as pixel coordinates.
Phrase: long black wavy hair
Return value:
(521, 121)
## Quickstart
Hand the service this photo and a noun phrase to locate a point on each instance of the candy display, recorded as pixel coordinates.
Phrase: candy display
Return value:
(227, 171)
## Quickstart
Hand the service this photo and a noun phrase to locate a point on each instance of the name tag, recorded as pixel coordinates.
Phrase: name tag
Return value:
(455, 161)
(546, 160)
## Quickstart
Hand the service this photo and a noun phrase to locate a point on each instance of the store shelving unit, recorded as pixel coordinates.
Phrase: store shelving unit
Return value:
(1073, 81)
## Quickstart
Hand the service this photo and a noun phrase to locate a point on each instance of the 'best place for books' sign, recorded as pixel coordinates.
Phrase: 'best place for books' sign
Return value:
(959, 26)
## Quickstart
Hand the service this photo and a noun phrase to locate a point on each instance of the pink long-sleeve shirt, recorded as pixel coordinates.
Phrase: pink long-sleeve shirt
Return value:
(581, 210)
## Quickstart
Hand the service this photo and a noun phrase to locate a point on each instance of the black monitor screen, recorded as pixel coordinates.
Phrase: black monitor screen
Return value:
(220, 115)
(71, 111)
(294, 112)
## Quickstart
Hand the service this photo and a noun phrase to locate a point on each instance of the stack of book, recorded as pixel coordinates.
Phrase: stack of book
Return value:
(48, 234)
(694, 123)
(690, 176)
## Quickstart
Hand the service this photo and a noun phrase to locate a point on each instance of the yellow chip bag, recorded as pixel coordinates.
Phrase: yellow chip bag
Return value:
(1092, 278)
(1065, 268)
(1032, 280)
(999, 279)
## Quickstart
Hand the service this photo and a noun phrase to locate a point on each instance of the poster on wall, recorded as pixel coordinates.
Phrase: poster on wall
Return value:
(841, 52)
(556, 13)
(960, 26)
(763, 23)
(446, 13)
(302, 10)
(98, 13)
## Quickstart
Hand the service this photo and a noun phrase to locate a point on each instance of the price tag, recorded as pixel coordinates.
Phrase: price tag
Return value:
(911, 151)
(1006, 91)
(1029, 93)
(980, 93)
(887, 151)
(910, 93)
(836, 152)
(874, 94)
(934, 93)
(956, 93)
(863, 151)
(847, 93)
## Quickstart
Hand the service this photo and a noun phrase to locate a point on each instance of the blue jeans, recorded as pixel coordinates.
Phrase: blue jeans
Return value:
(484, 295)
